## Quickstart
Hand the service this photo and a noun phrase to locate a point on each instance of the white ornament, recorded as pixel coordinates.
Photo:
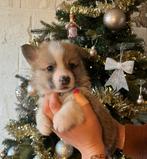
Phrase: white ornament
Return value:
(36, 157)
(140, 99)
(12, 151)
(30, 90)
(63, 149)
(117, 79)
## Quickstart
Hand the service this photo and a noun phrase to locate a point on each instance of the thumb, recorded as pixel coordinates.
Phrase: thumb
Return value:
(54, 103)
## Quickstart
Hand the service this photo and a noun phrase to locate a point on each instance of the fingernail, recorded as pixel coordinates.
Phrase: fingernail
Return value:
(76, 91)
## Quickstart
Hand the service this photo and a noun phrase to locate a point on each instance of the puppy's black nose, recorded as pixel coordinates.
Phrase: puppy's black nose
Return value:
(64, 80)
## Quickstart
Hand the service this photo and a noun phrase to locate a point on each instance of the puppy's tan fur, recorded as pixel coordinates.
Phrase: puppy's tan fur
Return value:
(61, 56)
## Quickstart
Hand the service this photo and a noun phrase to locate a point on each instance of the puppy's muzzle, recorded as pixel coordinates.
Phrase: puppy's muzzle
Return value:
(64, 80)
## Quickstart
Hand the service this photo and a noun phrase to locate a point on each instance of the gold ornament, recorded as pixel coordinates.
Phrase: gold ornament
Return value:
(93, 51)
(114, 19)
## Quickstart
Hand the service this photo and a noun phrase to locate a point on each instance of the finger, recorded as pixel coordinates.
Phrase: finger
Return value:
(46, 108)
(54, 103)
(80, 97)
(83, 102)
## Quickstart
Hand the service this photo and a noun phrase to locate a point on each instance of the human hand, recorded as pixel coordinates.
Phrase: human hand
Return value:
(86, 137)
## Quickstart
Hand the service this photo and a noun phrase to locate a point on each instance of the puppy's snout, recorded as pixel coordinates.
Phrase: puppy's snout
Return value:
(64, 80)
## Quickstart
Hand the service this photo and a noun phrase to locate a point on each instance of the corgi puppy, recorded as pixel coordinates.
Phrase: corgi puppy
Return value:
(58, 67)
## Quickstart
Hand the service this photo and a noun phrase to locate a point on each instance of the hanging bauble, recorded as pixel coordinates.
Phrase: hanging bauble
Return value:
(20, 92)
(3, 154)
(93, 51)
(63, 150)
(12, 151)
(31, 90)
(140, 99)
(36, 157)
(72, 27)
(114, 19)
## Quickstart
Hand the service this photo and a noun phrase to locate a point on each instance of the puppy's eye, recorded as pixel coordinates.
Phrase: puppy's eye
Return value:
(72, 66)
(50, 68)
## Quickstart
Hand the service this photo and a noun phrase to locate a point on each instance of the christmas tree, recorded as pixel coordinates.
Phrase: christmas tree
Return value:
(115, 61)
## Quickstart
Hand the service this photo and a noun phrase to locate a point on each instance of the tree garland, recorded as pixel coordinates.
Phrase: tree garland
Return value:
(99, 9)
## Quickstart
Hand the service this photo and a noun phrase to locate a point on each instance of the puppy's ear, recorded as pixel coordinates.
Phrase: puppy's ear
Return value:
(30, 53)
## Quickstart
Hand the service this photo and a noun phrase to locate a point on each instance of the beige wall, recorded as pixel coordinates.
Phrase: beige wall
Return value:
(16, 17)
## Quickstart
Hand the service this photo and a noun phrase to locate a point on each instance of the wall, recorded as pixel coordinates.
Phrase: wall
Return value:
(16, 18)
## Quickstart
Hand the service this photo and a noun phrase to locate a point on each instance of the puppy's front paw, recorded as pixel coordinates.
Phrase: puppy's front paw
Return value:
(44, 125)
(67, 117)
(61, 123)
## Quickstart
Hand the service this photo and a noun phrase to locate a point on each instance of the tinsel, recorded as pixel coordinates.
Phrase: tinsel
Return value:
(100, 7)
(128, 55)
(123, 107)
(20, 131)
(133, 55)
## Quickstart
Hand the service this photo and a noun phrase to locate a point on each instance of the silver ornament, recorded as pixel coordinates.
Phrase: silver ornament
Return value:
(3, 154)
(30, 90)
(63, 150)
(114, 19)
(12, 151)
(140, 99)
(36, 157)
(93, 51)
(20, 92)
